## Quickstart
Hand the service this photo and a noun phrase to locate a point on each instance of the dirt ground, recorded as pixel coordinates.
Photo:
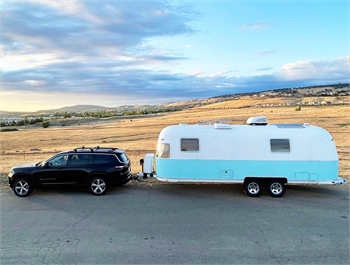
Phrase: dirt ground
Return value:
(138, 134)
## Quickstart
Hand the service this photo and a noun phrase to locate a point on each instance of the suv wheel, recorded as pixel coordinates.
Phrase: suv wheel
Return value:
(22, 187)
(98, 186)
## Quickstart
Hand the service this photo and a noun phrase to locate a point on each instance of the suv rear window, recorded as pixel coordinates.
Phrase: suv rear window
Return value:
(122, 157)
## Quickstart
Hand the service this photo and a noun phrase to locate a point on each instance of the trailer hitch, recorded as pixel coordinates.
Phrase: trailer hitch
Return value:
(140, 176)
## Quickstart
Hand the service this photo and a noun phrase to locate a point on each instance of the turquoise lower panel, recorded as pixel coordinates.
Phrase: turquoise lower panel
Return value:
(238, 170)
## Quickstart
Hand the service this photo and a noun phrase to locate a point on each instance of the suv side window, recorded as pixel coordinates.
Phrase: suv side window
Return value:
(105, 159)
(80, 159)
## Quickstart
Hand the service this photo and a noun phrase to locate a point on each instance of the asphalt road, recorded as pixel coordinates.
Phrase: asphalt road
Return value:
(176, 224)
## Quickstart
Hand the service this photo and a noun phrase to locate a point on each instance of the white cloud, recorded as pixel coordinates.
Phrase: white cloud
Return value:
(258, 25)
(196, 72)
(225, 85)
(217, 74)
(35, 82)
(262, 53)
(317, 70)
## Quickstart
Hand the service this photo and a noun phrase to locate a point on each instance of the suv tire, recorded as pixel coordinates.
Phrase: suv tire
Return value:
(98, 185)
(22, 187)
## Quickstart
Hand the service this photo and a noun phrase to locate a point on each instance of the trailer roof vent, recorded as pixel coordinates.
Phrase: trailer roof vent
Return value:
(290, 125)
(258, 120)
(222, 126)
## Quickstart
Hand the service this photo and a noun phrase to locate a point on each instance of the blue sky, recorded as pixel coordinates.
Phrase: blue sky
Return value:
(112, 53)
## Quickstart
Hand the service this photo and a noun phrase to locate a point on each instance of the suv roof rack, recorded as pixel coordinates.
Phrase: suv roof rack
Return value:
(111, 149)
(80, 148)
(102, 147)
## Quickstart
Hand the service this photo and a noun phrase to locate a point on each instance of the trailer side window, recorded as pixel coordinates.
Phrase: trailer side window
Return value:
(280, 145)
(190, 144)
(163, 150)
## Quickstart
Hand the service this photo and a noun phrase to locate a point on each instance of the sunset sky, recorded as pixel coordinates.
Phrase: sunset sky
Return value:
(112, 53)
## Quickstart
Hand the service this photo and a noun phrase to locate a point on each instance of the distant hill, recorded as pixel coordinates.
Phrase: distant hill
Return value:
(75, 108)
(69, 109)
(324, 90)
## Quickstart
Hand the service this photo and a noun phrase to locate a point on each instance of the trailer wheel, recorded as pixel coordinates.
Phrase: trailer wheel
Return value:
(252, 187)
(276, 188)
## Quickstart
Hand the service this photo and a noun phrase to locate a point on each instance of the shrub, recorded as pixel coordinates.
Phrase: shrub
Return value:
(46, 124)
(298, 108)
(9, 130)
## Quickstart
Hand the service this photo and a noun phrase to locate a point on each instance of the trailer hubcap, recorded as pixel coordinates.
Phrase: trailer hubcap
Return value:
(276, 188)
(253, 188)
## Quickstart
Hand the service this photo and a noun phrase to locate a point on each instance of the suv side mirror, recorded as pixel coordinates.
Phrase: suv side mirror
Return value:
(47, 165)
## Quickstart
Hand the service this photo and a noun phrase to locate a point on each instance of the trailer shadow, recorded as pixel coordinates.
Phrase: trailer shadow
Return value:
(236, 190)
(232, 191)
(315, 190)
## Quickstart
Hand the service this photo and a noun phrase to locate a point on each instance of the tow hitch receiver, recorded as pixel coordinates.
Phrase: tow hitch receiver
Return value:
(141, 176)
(148, 173)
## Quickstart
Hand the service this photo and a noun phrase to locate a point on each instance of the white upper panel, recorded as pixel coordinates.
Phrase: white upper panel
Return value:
(246, 142)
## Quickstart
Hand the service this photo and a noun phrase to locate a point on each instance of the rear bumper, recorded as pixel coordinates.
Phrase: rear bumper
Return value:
(340, 181)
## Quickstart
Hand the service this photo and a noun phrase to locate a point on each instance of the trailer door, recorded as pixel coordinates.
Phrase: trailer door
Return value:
(188, 167)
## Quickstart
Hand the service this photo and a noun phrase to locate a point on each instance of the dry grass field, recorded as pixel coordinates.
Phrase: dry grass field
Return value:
(138, 135)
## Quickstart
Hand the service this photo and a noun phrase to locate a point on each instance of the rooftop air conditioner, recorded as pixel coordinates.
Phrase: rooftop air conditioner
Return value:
(258, 120)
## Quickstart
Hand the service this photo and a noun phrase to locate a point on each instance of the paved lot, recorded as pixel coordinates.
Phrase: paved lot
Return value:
(176, 224)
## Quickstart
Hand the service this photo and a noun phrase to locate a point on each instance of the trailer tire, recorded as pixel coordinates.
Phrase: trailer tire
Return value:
(276, 188)
(253, 187)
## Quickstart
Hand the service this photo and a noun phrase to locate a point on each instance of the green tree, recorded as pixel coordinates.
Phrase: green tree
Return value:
(46, 124)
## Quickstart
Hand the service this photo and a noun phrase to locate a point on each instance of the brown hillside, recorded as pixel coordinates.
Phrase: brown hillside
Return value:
(138, 135)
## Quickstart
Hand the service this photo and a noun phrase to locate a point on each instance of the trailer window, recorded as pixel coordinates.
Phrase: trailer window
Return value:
(163, 151)
(190, 144)
(280, 145)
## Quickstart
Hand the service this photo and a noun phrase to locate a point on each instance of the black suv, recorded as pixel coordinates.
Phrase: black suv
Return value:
(97, 168)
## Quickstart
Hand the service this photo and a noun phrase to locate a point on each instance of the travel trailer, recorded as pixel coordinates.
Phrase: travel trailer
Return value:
(257, 154)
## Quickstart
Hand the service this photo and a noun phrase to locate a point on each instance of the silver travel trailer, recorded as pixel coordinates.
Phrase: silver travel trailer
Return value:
(257, 154)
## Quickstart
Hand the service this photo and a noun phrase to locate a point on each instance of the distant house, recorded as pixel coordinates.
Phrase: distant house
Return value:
(9, 120)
